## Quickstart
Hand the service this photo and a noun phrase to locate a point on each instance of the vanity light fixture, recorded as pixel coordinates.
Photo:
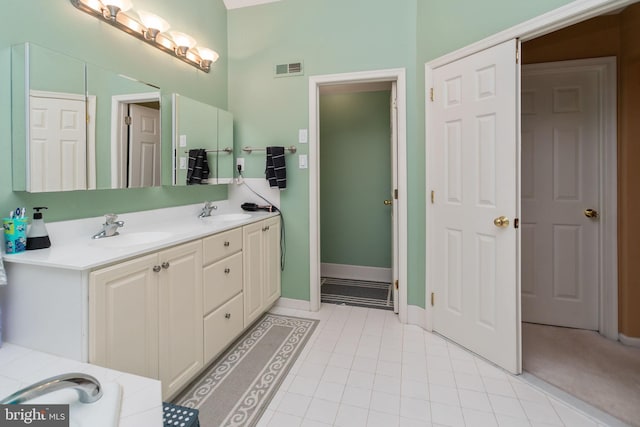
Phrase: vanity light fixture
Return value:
(149, 28)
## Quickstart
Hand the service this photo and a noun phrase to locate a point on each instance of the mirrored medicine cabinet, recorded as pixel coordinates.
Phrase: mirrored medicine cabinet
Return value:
(197, 125)
(78, 126)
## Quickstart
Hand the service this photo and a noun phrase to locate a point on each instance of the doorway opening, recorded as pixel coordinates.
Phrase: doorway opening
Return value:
(333, 87)
(569, 192)
(356, 122)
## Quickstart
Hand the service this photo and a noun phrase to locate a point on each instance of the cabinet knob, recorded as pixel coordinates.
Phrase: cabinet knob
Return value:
(227, 270)
(157, 268)
(165, 265)
(227, 316)
(226, 244)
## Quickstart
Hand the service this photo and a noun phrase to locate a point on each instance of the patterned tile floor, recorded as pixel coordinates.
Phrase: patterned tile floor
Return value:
(362, 367)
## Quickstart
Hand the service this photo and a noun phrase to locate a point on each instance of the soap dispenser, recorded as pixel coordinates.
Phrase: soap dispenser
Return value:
(37, 236)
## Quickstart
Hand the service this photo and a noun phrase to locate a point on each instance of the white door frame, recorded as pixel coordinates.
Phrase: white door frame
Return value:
(119, 129)
(608, 182)
(397, 75)
(572, 13)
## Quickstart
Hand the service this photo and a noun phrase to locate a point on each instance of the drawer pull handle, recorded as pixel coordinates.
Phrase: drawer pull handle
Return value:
(165, 265)
(227, 270)
(226, 244)
(156, 268)
(227, 316)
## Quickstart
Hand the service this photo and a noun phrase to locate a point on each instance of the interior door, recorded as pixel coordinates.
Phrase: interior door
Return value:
(474, 249)
(394, 186)
(57, 143)
(144, 146)
(561, 128)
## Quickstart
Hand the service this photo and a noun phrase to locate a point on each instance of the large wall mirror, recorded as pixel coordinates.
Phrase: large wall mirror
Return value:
(77, 126)
(199, 126)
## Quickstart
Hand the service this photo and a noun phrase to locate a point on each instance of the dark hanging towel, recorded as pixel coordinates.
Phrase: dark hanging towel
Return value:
(198, 166)
(276, 170)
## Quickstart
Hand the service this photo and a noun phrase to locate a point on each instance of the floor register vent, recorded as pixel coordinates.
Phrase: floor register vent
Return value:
(288, 70)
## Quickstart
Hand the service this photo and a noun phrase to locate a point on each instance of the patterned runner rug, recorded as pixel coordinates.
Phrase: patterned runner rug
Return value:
(239, 385)
(359, 293)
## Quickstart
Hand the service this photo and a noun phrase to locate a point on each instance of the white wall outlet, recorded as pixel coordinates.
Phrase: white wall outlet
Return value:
(183, 141)
(302, 161)
(240, 162)
(303, 136)
(183, 162)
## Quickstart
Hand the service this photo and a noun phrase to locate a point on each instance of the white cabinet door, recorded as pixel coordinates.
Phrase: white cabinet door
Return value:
(271, 261)
(180, 316)
(253, 271)
(473, 162)
(123, 313)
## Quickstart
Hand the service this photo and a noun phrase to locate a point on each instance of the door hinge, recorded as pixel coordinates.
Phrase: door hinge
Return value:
(127, 120)
(395, 194)
(433, 197)
(396, 283)
(517, 55)
(431, 96)
(516, 223)
(394, 103)
(433, 299)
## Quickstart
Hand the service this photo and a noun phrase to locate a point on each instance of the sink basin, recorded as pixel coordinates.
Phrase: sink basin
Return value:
(132, 239)
(105, 412)
(229, 217)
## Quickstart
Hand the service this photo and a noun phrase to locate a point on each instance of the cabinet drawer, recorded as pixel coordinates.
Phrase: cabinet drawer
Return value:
(222, 280)
(221, 327)
(222, 245)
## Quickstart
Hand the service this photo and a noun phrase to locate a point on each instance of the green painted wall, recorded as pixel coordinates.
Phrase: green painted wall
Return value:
(59, 26)
(355, 135)
(329, 36)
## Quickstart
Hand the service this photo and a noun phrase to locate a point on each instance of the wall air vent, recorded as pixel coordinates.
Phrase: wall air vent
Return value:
(288, 70)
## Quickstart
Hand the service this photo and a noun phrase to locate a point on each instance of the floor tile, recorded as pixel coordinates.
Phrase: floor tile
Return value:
(380, 419)
(322, 410)
(355, 396)
(351, 416)
(329, 391)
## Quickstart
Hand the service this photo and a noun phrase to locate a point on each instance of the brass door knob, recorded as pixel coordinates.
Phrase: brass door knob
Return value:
(591, 213)
(501, 221)
(388, 202)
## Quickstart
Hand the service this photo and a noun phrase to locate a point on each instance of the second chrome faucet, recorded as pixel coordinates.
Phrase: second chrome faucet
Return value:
(110, 227)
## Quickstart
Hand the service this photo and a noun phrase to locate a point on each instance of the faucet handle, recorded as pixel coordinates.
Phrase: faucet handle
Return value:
(110, 218)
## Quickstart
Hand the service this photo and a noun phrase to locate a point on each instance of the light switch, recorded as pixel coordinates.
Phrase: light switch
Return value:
(303, 136)
(183, 141)
(183, 162)
(302, 161)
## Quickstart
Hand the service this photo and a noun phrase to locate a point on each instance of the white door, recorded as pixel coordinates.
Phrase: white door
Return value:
(473, 150)
(394, 186)
(57, 143)
(561, 129)
(144, 146)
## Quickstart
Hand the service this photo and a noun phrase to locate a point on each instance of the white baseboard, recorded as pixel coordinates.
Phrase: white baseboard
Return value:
(630, 341)
(356, 272)
(416, 316)
(295, 304)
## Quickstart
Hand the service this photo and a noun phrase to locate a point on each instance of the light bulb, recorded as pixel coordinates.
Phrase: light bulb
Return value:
(183, 42)
(207, 57)
(154, 24)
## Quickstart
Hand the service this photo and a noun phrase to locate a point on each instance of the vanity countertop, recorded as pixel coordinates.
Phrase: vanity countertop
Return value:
(141, 397)
(73, 248)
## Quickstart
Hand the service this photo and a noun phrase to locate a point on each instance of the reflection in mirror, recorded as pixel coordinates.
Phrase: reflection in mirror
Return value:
(86, 127)
(199, 126)
(49, 126)
(126, 128)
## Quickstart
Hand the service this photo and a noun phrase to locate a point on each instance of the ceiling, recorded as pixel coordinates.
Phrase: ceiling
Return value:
(236, 4)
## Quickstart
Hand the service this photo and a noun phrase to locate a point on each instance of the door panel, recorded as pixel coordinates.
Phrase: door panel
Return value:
(561, 128)
(473, 165)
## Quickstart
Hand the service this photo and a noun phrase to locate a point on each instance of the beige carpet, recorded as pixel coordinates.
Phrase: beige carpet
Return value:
(601, 372)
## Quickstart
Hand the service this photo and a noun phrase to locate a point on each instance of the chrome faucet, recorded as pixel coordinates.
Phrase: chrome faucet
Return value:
(206, 209)
(109, 227)
(88, 388)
